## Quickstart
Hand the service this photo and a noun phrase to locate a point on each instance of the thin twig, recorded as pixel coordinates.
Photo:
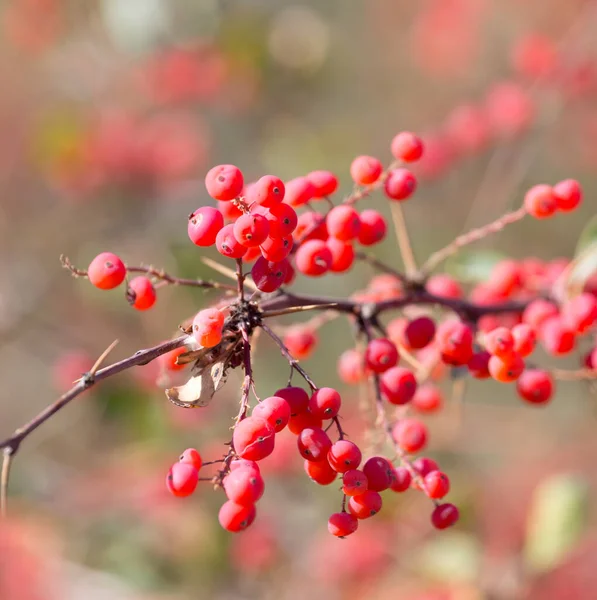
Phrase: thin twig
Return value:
(381, 266)
(403, 238)
(240, 280)
(230, 273)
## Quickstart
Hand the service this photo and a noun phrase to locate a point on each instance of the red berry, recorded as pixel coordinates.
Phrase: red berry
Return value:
(407, 146)
(313, 258)
(141, 293)
(300, 341)
(251, 230)
(269, 276)
(267, 191)
(275, 410)
(324, 182)
(192, 457)
(365, 505)
(302, 421)
(373, 227)
(106, 271)
(342, 524)
(354, 482)
(365, 170)
(506, 370)
(224, 182)
(537, 312)
(455, 343)
(276, 249)
(244, 486)
(410, 434)
(444, 286)
(401, 480)
(500, 342)
(320, 472)
(253, 438)
(568, 194)
(343, 255)
(437, 484)
(204, 224)
(243, 463)
(380, 355)
(182, 479)
(207, 327)
(297, 398)
(398, 385)
(540, 201)
(428, 398)
(424, 465)
(299, 191)
(343, 222)
(444, 516)
(314, 443)
(351, 366)
(379, 472)
(228, 245)
(169, 359)
(478, 365)
(557, 338)
(344, 456)
(580, 313)
(418, 333)
(325, 403)
(311, 226)
(524, 339)
(236, 517)
(282, 220)
(535, 386)
(400, 184)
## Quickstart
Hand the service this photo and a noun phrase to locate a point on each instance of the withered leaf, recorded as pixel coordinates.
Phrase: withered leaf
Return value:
(199, 389)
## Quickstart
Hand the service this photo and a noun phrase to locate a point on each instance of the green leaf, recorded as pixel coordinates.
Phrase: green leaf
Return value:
(556, 521)
(588, 237)
(473, 266)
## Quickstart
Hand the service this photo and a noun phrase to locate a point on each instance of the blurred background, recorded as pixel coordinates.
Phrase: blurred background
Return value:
(111, 111)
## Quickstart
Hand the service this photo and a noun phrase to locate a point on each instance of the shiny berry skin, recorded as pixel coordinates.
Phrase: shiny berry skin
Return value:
(282, 220)
(354, 482)
(373, 227)
(303, 420)
(311, 226)
(299, 191)
(365, 170)
(540, 201)
(537, 312)
(300, 341)
(506, 370)
(365, 505)
(276, 249)
(536, 386)
(207, 327)
(342, 524)
(314, 443)
(444, 286)
(253, 438)
(297, 398)
(325, 403)
(169, 359)
(580, 313)
(478, 365)
(204, 224)
(343, 222)
(424, 465)
(229, 211)
(236, 517)
(228, 245)
(418, 333)
(324, 182)
(400, 184)
(267, 191)
(437, 484)
(244, 486)
(320, 472)
(243, 463)
(269, 276)
(224, 182)
(398, 385)
(343, 255)
(192, 457)
(106, 271)
(410, 435)
(379, 472)
(141, 293)
(500, 342)
(557, 338)
(401, 480)
(455, 343)
(275, 410)
(444, 516)
(344, 455)
(313, 258)
(351, 367)
(182, 479)
(427, 399)
(406, 146)
(251, 230)
(524, 339)
(568, 194)
(380, 355)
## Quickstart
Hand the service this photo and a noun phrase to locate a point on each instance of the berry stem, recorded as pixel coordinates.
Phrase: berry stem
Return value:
(403, 238)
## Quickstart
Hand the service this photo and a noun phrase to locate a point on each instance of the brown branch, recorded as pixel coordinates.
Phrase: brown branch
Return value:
(380, 266)
(403, 239)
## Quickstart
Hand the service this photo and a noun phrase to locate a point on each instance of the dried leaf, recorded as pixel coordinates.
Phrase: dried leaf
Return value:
(198, 390)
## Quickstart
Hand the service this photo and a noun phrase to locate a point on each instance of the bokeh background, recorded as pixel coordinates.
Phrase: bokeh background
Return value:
(111, 112)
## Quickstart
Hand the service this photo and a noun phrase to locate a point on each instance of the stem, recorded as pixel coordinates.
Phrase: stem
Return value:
(406, 250)
(248, 380)
(240, 280)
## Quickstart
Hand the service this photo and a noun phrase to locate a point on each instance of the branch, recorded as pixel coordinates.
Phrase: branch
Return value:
(381, 266)
(403, 239)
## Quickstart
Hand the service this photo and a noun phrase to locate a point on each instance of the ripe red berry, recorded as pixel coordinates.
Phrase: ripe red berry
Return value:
(267, 191)
(444, 286)
(344, 456)
(299, 191)
(365, 505)
(557, 338)
(580, 313)
(204, 224)
(365, 170)
(437, 484)
(398, 385)
(224, 182)
(418, 333)
(343, 255)
(325, 403)
(311, 226)
(141, 293)
(342, 524)
(401, 480)
(506, 370)
(535, 386)
(354, 482)
(243, 463)
(568, 194)
(537, 312)
(478, 365)
(182, 479)
(444, 516)
(282, 220)
(351, 368)
(428, 398)
(275, 410)
(343, 222)
(276, 249)
(228, 245)
(297, 398)
(251, 230)
(269, 276)
(500, 342)
(169, 359)
(314, 443)
(106, 271)
(400, 184)
(524, 339)
(410, 434)
(324, 182)
(244, 486)
(407, 146)
(320, 472)
(302, 421)
(424, 465)
(373, 227)
(300, 341)
(379, 472)
(313, 258)
(380, 355)
(192, 457)
(253, 438)
(455, 343)
(207, 327)
(540, 201)
(236, 517)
